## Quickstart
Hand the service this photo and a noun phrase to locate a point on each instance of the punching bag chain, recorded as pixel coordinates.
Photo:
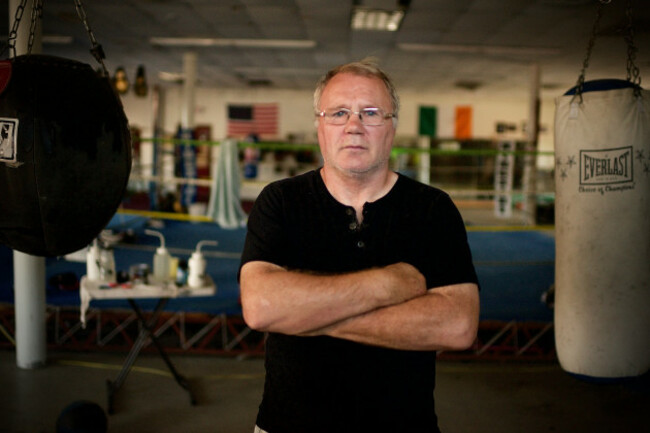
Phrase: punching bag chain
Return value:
(590, 46)
(37, 13)
(13, 34)
(97, 51)
(633, 75)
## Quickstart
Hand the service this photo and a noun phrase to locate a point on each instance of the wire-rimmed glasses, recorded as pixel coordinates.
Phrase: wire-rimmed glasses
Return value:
(367, 116)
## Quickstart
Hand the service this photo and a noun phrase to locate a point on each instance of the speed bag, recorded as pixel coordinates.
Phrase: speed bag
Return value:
(602, 232)
(65, 154)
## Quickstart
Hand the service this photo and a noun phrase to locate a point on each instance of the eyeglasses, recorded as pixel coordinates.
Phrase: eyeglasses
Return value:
(367, 116)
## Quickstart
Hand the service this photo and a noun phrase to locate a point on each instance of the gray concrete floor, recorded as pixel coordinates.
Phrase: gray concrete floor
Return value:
(477, 396)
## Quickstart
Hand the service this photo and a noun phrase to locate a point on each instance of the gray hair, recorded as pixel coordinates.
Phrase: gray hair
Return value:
(367, 67)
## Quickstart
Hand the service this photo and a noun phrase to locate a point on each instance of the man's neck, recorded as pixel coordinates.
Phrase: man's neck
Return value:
(357, 189)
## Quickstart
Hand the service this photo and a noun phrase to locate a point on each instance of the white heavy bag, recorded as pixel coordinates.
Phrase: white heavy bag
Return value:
(602, 270)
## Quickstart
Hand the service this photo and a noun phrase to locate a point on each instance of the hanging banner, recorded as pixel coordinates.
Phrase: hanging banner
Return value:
(504, 172)
(428, 121)
(463, 123)
(188, 167)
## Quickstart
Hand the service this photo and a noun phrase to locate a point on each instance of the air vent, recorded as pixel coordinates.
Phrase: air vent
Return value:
(260, 82)
(468, 84)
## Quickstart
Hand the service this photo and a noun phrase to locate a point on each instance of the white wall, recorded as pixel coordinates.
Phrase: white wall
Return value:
(296, 113)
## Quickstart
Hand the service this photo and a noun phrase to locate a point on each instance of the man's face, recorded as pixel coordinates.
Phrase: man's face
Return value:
(354, 148)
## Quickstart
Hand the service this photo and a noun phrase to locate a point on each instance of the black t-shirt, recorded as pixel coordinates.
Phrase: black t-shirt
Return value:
(324, 384)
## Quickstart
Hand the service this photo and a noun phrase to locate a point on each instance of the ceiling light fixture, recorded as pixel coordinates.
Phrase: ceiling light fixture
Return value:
(235, 43)
(174, 77)
(57, 39)
(478, 49)
(376, 19)
(255, 70)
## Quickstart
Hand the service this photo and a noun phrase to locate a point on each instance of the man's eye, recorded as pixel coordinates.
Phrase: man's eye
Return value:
(370, 113)
(340, 113)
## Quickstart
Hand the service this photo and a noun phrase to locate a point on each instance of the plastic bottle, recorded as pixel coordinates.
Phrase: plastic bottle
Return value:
(161, 259)
(107, 266)
(196, 264)
(93, 256)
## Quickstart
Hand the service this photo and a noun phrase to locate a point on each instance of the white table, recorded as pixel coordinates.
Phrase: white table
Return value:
(99, 290)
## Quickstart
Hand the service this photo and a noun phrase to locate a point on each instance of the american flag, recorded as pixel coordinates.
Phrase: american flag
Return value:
(260, 119)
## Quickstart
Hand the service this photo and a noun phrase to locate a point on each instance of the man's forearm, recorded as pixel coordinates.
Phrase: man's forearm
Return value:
(445, 318)
(277, 300)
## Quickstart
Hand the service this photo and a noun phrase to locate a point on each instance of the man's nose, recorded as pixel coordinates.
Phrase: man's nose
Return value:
(354, 121)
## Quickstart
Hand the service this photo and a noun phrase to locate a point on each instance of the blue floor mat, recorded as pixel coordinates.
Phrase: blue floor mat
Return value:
(514, 268)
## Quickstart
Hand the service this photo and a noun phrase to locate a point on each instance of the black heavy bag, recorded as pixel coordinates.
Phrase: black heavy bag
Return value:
(65, 154)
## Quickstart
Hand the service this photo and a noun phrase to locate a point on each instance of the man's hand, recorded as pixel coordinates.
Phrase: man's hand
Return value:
(401, 282)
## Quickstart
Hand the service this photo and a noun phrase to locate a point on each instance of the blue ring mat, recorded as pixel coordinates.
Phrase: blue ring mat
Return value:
(514, 268)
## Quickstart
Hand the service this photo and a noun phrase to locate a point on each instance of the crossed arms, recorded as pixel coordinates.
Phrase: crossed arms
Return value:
(389, 306)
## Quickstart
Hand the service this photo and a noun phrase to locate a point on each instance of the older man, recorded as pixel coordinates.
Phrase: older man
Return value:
(358, 274)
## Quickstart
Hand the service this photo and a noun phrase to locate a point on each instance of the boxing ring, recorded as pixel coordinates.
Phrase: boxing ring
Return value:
(515, 269)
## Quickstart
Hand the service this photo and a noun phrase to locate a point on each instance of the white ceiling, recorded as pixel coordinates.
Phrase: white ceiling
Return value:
(489, 44)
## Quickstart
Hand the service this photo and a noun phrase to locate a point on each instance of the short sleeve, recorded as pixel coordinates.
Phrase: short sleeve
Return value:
(265, 237)
(450, 262)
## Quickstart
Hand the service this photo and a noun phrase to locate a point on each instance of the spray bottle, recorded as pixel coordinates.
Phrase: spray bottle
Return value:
(161, 259)
(196, 265)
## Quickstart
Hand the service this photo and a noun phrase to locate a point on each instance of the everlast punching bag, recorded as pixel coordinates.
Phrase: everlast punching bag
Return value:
(65, 154)
(602, 211)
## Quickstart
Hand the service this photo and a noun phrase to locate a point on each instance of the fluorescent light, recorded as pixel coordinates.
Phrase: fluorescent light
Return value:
(478, 49)
(250, 71)
(358, 19)
(171, 76)
(174, 77)
(236, 43)
(254, 70)
(394, 21)
(57, 39)
(376, 19)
